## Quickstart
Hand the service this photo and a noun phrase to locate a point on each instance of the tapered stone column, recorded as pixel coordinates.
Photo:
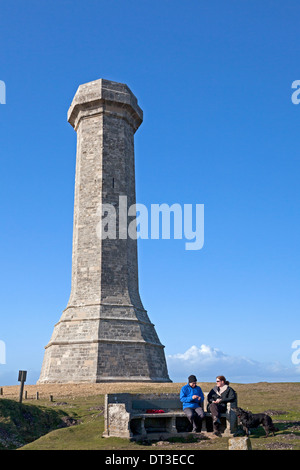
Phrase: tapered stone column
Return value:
(104, 334)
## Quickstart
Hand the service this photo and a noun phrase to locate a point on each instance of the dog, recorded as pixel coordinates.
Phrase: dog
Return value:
(251, 420)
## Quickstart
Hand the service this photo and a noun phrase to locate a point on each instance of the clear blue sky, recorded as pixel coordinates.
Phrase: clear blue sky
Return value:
(220, 129)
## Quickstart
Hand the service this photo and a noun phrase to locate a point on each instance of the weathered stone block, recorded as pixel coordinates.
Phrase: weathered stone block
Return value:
(239, 443)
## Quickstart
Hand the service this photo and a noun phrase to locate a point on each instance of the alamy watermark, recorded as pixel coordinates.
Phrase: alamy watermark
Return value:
(296, 353)
(2, 352)
(188, 222)
(296, 94)
(2, 92)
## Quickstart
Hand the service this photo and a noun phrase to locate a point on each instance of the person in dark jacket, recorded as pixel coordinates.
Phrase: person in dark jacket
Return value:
(192, 399)
(217, 399)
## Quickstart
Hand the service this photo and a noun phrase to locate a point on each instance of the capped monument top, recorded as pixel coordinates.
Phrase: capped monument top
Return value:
(91, 95)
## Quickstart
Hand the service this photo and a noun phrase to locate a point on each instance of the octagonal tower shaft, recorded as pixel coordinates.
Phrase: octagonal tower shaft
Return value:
(104, 333)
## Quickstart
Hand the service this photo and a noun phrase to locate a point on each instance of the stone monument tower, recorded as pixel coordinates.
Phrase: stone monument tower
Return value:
(104, 334)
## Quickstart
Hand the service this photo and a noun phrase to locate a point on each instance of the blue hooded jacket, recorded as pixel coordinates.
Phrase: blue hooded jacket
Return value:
(186, 394)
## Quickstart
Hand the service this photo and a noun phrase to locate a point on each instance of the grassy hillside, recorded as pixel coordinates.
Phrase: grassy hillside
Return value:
(74, 420)
(23, 423)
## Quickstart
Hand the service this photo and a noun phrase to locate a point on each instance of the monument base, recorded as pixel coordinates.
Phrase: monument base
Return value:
(88, 363)
(128, 349)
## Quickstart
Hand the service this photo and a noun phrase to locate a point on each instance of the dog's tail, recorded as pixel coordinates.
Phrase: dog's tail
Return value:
(274, 428)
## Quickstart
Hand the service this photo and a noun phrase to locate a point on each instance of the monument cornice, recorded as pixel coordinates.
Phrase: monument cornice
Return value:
(102, 96)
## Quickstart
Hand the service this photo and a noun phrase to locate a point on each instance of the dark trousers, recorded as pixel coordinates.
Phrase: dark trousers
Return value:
(195, 416)
(216, 410)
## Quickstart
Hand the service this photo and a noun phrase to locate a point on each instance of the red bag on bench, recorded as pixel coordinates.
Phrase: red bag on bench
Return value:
(155, 411)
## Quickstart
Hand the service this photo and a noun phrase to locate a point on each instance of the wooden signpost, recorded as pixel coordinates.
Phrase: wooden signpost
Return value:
(22, 379)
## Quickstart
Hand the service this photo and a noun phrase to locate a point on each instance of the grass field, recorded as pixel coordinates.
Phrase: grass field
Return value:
(36, 424)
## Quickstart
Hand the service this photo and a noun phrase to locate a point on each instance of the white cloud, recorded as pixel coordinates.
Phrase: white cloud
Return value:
(207, 362)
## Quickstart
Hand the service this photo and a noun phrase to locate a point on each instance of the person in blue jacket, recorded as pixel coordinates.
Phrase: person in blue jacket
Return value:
(192, 399)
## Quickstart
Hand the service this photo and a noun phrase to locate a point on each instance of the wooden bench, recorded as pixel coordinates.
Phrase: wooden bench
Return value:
(129, 415)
